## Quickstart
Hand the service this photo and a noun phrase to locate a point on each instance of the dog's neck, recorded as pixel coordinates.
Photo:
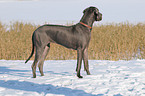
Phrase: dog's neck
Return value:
(89, 20)
(86, 25)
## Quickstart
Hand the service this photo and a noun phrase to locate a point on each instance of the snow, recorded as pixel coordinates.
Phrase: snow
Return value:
(108, 78)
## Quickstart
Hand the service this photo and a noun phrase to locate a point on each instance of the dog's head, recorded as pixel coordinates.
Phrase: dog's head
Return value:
(95, 11)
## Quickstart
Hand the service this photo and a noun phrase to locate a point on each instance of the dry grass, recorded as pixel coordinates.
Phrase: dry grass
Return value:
(108, 42)
(120, 41)
(15, 40)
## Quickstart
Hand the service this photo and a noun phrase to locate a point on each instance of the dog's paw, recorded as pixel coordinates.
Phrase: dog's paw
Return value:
(80, 76)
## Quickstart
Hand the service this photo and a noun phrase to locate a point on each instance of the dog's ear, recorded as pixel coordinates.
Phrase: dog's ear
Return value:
(85, 10)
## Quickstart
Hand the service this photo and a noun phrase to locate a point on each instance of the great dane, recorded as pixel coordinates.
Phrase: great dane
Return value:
(75, 37)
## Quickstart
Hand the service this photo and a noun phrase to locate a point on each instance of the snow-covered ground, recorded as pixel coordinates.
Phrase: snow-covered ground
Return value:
(109, 78)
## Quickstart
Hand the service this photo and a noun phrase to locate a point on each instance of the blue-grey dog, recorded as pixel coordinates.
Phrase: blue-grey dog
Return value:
(76, 37)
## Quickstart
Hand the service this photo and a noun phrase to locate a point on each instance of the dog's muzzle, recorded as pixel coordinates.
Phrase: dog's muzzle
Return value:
(99, 17)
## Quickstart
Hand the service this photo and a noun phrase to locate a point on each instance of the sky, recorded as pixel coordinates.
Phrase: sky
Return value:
(70, 11)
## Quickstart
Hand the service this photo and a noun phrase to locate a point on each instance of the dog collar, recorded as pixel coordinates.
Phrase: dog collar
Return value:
(86, 25)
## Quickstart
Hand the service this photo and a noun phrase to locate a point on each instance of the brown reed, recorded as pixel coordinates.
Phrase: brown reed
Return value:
(123, 41)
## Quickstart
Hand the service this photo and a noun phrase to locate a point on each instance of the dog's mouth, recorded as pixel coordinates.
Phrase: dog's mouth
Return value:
(99, 17)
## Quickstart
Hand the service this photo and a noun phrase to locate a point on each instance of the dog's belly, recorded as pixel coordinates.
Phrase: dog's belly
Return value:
(68, 45)
(68, 42)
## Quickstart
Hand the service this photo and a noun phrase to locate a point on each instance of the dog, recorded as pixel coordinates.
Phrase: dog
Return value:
(75, 37)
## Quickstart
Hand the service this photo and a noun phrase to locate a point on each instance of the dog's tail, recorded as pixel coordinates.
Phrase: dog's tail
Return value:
(32, 51)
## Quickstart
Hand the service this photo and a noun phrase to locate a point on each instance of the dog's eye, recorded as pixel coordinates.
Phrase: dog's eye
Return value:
(96, 13)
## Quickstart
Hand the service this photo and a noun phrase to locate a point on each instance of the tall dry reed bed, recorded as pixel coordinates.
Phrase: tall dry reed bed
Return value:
(108, 42)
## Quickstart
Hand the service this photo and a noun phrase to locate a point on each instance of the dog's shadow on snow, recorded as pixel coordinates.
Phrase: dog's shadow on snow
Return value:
(42, 88)
(39, 88)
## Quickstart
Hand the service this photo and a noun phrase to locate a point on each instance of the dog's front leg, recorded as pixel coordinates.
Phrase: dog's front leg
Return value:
(85, 58)
(79, 62)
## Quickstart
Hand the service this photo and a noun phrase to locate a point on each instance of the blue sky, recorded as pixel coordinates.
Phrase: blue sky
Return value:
(67, 11)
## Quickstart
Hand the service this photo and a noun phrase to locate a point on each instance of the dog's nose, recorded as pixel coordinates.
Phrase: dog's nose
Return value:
(100, 16)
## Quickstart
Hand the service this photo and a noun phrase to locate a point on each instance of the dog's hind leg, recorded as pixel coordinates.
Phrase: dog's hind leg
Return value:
(37, 57)
(41, 62)
(34, 67)
(38, 54)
